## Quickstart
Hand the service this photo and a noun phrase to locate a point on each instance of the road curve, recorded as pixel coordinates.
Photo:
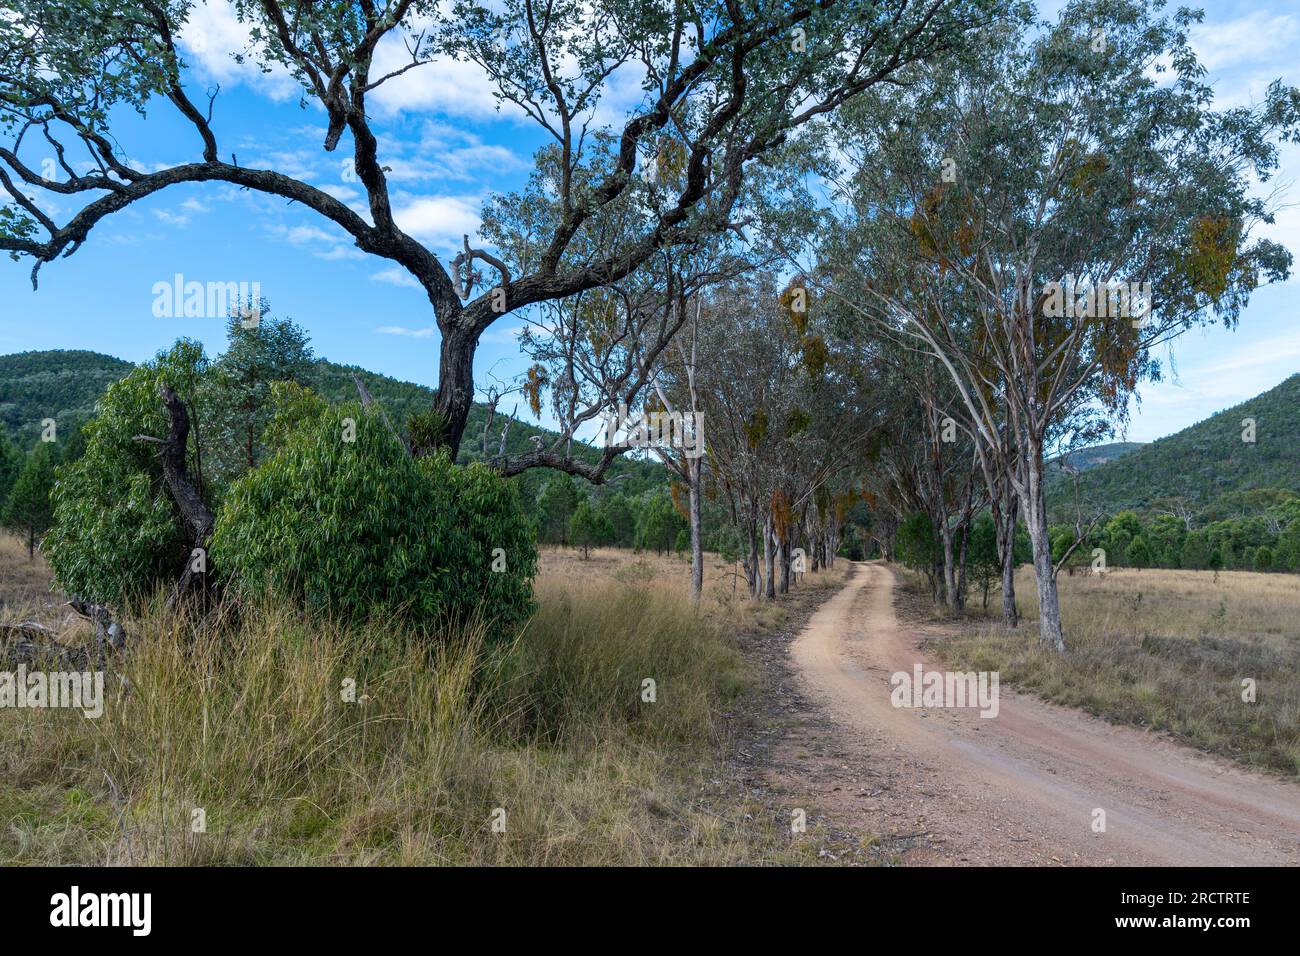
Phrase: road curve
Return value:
(1023, 787)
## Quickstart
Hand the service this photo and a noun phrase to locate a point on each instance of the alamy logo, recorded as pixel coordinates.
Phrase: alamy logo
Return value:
(40, 689)
(103, 909)
(1083, 299)
(179, 299)
(940, 689)
(656, 430)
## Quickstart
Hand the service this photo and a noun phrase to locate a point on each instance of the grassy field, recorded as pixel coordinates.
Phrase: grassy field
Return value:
(1162, 649)
(548, 736)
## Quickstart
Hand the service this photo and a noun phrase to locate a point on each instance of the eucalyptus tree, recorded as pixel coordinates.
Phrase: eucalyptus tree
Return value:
(677, 393)
(739, 382)
(722, 83)
(257, 355)
(837, 414)
(1043, 218)
(786, 420)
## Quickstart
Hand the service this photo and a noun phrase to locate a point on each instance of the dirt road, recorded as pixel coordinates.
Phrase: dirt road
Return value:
(1022, 787)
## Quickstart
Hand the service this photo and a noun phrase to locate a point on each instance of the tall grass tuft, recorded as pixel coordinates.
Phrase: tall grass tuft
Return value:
(309, 743)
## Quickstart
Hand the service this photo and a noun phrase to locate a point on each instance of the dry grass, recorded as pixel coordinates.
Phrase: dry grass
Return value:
(247, 722)
(1167, 650)
(724, 600)
(24, 581)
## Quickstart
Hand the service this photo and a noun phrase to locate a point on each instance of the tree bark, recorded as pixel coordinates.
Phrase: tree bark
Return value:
(1005, 524)
(961, 566)
(455, 396)
(196, 514)
(751, 559)
(784, 554)
(769, 560)
(1035, 507)
(949, 566)
(697, 547)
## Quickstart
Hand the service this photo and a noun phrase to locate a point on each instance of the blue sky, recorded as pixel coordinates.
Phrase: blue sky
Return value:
(449, 148)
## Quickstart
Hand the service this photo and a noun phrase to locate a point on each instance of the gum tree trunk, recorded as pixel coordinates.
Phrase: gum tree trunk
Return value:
(697, 548)
(1006, 542)
(1035, 507)
(769, 560)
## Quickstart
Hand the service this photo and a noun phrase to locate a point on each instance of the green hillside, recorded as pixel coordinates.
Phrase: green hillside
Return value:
(401, 399)
(1086, 458)
(64, 385)
(1208, 465)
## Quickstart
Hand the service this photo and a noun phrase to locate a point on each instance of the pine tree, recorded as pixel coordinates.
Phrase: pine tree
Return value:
(558, 502)
(1139, 553)
(11, 463)
(584, 528)
(29, 510)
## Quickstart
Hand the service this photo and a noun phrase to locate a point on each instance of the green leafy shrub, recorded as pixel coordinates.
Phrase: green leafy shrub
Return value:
(490, 513)
(116, 533)
(343, 521)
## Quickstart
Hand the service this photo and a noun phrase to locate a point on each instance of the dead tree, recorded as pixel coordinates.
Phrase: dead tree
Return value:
(197, 516)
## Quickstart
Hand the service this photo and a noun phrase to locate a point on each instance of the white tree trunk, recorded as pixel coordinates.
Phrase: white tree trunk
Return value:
(1035, 508)
(697, 548)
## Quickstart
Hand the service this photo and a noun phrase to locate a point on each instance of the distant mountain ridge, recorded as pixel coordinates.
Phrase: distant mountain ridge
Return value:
(1210, 465)
(1085, 458)
(65, 384)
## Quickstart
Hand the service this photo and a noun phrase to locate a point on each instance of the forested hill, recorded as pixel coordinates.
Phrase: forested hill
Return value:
(1086, 458)
(1209, 465)
(64, 385)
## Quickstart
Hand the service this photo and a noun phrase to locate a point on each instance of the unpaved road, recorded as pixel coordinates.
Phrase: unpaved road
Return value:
(1022, 787)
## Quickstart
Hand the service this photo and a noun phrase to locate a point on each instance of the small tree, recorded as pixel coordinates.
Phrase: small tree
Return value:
(11, 463)
(1139, 553)
(1121, 531)
(29, 510)
(660, 522)
(1264, 558)
(558, 502)
(1196, 551)
(983, 559)
(343, 522)
(616, 512)
(1288, 547)
(917, 546)
(257, 355)
(584, 528)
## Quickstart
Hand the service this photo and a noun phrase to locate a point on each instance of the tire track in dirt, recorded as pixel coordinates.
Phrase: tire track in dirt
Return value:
(1022, 787)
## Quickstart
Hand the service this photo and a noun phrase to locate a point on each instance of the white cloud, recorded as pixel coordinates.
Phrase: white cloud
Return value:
(623, 93)
(340, 252)
(301, 235)
(211, 36)
(439, 220)
(449, 86)
(502, 336)
(425, 333)
(1259, 355)
(399, 277)
(297, 163)
(345, 194)
(1252, 39)
(471, 163)
(172, 218)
